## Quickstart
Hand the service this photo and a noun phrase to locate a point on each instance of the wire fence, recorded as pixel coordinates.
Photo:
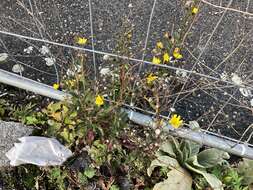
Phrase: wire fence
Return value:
(215, 75)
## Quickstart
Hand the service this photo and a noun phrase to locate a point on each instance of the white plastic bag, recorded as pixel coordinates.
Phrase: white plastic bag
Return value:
(40, 151)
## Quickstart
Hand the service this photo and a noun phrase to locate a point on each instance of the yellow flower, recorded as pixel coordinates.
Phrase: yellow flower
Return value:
(71, 83)
(99, 100)
(176, 121)
(156, 60)
(151, 78)
(177, 54)
(166, 57)
(56, 86)
(195, 10)
(159, 45)
(81, 41)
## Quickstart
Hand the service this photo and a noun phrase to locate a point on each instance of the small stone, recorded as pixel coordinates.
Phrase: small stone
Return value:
(44, 50)
(157, 132)
(28, 50)
(236, 79)
(181, 73)
(224, 76)
(130, 5)
(105, 71)
(3, 57)
(50, 61)
(106, 57)
(246, 92)
(172, 109)
(70, 72)
(17, 68)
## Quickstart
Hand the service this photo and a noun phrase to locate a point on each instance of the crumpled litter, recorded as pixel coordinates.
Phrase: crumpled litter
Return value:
(41, 151)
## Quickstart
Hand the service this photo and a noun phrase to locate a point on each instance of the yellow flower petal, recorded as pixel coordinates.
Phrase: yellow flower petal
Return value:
(166, 57)
(177, 54)
(99, 100)
(195, 10)
(176, 50)
(176, 121)
(156, 60)
(159, 45)
(56, 86)
(81, 41)
(151, 78)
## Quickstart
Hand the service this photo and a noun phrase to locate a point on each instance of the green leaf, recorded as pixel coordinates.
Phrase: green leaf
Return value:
(98, 152)
(194, 148)
(186, 150)
(190, 149)
(90, 173)
(82, 178)
(55, 173)
(178, 179)
(245, 168)
(2, 111)
(168, 148)
(194, 125)
(67, 136)
(53, 107)
(218, 171)
(211, 157)
(177, 150)
(53, 127)
(213, 181)
(114, 187)
(73, 115)
(31, 120)
(162, 161)
(194, 161)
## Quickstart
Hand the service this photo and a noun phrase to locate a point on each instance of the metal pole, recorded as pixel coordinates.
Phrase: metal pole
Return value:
(138, 118)
(236, 148)
(30, 85)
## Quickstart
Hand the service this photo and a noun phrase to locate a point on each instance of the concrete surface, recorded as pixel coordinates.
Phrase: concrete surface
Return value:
(9, 134)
